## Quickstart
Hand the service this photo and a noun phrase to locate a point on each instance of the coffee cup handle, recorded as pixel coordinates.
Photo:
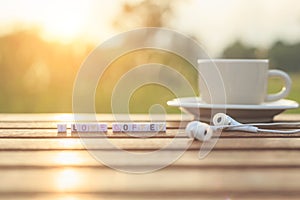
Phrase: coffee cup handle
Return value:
(285, 89)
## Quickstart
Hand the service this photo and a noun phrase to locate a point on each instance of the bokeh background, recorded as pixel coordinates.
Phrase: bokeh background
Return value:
(43, 44)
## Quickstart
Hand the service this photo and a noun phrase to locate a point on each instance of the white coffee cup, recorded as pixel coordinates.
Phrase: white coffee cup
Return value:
(239, 81)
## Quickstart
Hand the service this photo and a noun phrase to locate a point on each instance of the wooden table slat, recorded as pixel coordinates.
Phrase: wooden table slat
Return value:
(149, 144)
(216, 159)
(192, 180)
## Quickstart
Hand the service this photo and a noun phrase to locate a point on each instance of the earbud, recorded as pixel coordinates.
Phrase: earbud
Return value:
(189, 130)
(221, 121)
(199, 130)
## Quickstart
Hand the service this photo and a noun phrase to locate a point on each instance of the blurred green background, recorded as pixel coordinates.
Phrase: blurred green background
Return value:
(38, 68)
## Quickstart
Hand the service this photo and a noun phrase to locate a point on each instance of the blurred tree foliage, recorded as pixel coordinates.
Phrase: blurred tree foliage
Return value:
(146, 13)
(281, 55)
(285, 56)
(35, 75)
(239, 50)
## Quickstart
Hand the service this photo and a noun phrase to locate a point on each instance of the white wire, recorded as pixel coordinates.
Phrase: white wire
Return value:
(236, 128)
(280, 131)
(286, 124)
(231, 126)
(275, 124)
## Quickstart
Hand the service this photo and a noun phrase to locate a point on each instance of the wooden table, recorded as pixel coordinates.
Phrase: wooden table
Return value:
(38, 163)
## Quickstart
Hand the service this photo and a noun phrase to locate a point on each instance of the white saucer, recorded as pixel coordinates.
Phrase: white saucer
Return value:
(245, 113)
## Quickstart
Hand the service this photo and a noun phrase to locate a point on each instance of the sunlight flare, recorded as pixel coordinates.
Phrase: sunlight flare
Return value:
(65, 21)
(68, 179)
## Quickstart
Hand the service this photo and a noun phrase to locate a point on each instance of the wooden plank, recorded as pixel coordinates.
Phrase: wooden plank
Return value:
(44, 124)
(113, 196)
(48, 133)
(27, 125)
(70, 180)
(149, 144)
(149, 196)
(216, 159)
(170, 133)
(67, 117)
(96, 143)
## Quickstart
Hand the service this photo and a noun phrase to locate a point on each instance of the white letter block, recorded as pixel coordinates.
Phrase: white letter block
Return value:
(127, 127)
(102, 127)
(93, 127)
(144, 127)
(161, 127)
(61, 128)
(73, 128)
(116, 127)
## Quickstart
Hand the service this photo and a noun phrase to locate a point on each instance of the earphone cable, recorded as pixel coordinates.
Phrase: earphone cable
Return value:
(279, 131)
(286, 124)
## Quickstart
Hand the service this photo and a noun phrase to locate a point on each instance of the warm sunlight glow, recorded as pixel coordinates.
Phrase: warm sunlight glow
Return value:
(65, 22)
(69, 143)
(67, 158)
(63, 117)
(68, 197)
(68, 179)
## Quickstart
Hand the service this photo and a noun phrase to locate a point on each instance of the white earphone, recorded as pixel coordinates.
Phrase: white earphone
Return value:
(199, 130)
(221, 121)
